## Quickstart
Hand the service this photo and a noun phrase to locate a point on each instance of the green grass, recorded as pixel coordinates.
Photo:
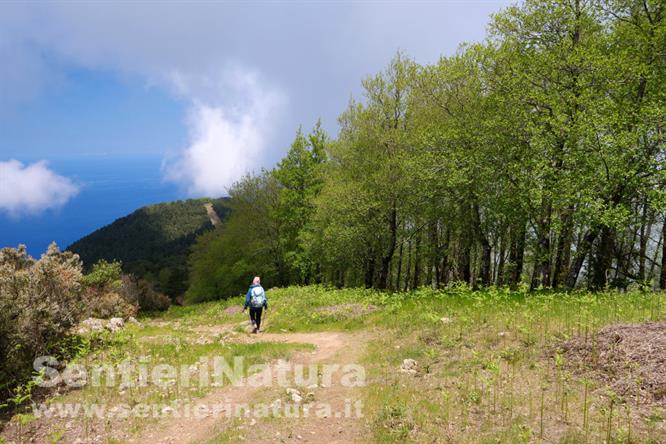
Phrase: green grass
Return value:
(488, 373)
(290, 309)
(199, 314)
(485, 373)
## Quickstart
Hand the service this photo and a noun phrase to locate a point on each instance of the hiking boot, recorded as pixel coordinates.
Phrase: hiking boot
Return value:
(255, 330)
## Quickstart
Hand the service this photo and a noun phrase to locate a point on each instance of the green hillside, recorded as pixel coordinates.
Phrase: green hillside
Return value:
(153, 242)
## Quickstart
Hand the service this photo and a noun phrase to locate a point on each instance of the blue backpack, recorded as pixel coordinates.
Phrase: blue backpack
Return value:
(257, 297)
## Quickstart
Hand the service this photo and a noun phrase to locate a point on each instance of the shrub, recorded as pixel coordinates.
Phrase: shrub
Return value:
(129, 290)
(106, 294)
(107, 304)
(40, 300)
(142, 294)
(110, 293)
(103, 274)
(151, 300)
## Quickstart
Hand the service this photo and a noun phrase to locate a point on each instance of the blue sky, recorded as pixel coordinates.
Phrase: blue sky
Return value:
(213, 90)
(94, 113)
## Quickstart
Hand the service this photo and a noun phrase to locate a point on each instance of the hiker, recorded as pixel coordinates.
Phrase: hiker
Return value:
(256, 300)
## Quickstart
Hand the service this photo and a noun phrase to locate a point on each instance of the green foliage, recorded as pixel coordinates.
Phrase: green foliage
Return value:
(148, 298)
(533, 158)
(40, 300)
(103, 274)
(153, 242)
(105, 303)
(300, 178)
(109, 293)
(263, 234)
(368, 181)
(223, 261)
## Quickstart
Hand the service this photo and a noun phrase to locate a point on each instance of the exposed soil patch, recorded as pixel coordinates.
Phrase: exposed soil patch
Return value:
(629, 358)
(328, 346)
(345, 311)
(212, 215)
(233, 310)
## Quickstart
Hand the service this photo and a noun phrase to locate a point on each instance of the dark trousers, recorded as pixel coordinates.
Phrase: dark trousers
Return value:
(255, 316)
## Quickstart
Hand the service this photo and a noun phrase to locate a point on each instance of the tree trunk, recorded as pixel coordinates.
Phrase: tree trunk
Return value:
(340, 279)
(516, 254)
(500, 263)
(579, 257)
(434, 255)
(657, 252)
(370, 272)
(484, 272)
(464, 262)
(417, 262)
(603, 259)
(408, 270)
(444, 267)
(646, 230)
(662, 276)
(563, 248)
(486, 258)
(541, 273)
(388, 256)
(317, 273)
(399, 272)
(623, 257)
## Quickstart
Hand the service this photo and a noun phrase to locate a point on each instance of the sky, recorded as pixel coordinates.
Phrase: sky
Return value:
(214, 89)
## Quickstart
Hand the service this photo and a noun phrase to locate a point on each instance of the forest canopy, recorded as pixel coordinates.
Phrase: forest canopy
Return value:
(535, 157)
(153, 242)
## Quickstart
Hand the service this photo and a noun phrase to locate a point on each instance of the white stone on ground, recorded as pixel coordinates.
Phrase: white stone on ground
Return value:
(409, 365)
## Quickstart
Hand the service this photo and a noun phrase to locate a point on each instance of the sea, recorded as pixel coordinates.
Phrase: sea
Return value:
(110, 187)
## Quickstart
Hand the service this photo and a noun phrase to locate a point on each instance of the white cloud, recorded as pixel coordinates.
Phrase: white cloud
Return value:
(226, 140)
(315, 53)
(30, 189)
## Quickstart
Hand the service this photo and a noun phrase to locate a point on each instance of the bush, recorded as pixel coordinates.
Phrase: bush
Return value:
(40, 300)
(142, 294)
(107, 304)
(151, 300)
(129, 290)
(110, 293)
(103, 274)
(107, 294)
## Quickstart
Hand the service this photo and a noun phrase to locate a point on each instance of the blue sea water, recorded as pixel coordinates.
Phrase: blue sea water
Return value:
(110, 187)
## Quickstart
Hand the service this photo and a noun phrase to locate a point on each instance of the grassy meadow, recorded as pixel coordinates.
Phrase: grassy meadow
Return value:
(489, 365)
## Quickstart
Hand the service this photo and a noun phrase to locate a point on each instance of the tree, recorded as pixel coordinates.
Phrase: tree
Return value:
(299, 174)
(536, 156)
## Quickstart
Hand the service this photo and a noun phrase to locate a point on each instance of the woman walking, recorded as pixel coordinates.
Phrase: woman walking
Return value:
(256, 300)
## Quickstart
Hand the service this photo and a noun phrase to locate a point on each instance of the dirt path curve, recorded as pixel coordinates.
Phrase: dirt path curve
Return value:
(330, 347)
(212, 215)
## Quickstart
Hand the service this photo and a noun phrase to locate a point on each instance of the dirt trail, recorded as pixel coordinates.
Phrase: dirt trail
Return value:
(212, 215)
(330, 347)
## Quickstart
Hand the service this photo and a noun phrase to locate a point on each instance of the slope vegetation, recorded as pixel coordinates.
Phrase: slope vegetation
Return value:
(153, 242)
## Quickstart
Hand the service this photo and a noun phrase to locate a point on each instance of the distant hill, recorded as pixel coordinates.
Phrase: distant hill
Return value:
(154, 241)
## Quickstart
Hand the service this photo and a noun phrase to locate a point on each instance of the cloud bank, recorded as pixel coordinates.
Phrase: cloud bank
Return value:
(226, 141)
(31, 189)
(233, 63)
